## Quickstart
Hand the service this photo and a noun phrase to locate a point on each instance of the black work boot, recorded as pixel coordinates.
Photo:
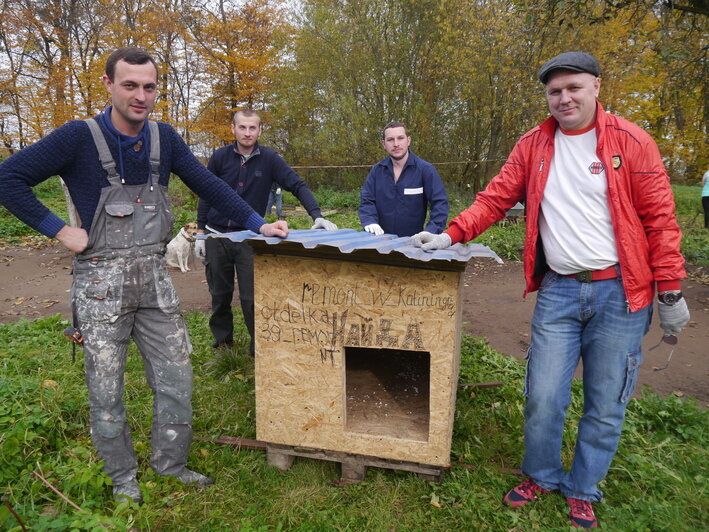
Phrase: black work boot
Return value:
(127, 491)
(187, 476)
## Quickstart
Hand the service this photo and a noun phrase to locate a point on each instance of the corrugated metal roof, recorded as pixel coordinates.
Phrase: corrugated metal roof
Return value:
(349, 240)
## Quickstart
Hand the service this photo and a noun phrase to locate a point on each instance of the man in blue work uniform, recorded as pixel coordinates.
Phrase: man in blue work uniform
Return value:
(117, 166)
(399, 190)
(251, 170)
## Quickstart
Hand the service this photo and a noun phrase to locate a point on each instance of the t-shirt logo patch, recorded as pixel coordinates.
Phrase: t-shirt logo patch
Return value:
(596, 168)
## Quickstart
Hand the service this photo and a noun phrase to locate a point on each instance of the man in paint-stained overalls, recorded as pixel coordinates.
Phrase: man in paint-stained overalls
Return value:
(117, 167)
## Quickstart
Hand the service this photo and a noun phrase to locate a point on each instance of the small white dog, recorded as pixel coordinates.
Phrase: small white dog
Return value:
(180, 248)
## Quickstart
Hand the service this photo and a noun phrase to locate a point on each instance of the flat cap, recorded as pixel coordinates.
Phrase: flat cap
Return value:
(578, 61)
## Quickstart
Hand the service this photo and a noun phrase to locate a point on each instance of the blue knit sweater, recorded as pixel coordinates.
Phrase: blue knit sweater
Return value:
(252, 180)
(69, 152)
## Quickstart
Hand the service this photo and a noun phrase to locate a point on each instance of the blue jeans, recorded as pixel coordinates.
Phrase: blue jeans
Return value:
(590, 321)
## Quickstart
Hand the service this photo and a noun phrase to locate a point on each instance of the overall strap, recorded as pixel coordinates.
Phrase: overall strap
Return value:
(104, 154)
(154, 150)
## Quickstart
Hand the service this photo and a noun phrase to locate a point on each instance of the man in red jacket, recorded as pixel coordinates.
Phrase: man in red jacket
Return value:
(601, 238)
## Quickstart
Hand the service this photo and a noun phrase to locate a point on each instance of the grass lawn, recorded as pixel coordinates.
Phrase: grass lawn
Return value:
(657, 482)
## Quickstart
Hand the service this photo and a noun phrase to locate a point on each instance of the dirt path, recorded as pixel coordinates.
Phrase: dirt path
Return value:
(35, 283)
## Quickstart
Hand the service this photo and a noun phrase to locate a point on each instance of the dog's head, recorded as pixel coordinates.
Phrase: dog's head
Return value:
(190, 230)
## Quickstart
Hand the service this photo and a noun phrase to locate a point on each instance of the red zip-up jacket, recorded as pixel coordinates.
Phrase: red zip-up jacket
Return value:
(640, 201)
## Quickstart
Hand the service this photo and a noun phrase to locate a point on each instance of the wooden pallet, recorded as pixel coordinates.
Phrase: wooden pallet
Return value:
(354, 467)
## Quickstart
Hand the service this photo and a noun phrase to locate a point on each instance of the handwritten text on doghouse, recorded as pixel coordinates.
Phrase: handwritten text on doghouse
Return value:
(312, 320)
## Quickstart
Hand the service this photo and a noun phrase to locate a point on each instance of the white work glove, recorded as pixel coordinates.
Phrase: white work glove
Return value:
(200, 249)
(374, 229)
(428, 241)
(322, 223)
(673, 317)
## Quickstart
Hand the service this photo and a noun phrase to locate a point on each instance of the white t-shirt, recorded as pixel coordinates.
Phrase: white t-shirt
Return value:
(575, 221)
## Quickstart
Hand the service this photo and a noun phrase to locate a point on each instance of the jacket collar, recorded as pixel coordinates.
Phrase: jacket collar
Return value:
(254, 152)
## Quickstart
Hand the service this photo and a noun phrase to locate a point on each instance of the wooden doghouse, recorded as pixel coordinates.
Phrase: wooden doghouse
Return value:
(357, 349)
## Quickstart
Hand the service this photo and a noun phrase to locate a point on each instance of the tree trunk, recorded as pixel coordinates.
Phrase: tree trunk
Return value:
(74, 219)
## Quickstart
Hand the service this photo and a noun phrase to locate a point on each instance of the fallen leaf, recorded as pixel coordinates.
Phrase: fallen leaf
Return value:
(678, 393)
(434, 501)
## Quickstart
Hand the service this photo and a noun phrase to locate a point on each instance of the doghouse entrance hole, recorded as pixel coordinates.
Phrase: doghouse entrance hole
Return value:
(387, 392)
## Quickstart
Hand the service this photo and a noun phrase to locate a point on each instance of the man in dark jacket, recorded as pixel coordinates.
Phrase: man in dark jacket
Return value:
(251, 170)
(399, 189)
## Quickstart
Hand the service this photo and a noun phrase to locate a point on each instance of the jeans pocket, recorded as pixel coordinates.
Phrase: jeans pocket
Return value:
(632, 369)
(548, 280)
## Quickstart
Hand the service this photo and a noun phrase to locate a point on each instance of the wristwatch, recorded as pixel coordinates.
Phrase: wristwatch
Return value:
(670, 297)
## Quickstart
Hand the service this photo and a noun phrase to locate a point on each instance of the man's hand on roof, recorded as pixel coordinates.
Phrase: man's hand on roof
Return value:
(279, 229)
(428, 241)
(374, 229)
(322, 223)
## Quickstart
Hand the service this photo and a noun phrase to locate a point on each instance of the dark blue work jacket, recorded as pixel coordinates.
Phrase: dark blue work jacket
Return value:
(400, 208)
(252, 180)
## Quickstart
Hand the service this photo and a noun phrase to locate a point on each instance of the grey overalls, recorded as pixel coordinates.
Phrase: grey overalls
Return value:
(121, 289)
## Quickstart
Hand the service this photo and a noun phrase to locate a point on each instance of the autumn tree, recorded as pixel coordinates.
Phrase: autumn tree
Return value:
(236, 56)
(654, 62)
(353, 66)
(461, 75)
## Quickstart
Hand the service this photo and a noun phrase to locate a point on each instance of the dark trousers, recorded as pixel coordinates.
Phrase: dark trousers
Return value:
(224, 259)
(705, 204)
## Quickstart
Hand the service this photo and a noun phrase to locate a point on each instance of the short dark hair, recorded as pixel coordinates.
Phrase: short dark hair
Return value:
(246, 113)
(131, 55)
(392, 124)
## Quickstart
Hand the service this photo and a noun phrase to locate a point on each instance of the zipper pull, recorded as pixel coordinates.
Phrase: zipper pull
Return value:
(541, 164)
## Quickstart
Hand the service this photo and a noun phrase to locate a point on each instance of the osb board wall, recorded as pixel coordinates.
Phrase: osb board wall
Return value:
(309, 310)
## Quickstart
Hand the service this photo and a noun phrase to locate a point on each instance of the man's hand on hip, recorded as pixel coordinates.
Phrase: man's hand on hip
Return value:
(279, 229)
(73, 238)
(428, 241)
(673, 317)
(322, 223)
